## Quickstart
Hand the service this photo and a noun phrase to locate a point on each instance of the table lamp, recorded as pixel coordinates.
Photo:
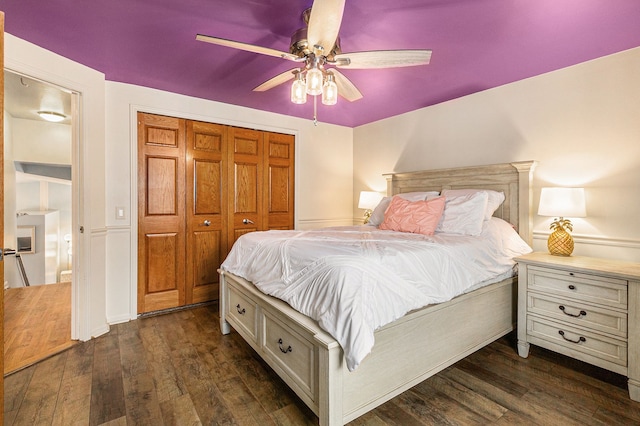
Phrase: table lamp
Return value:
(561, 203)
(368, 201)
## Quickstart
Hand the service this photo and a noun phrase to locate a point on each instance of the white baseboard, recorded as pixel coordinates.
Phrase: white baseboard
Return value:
(118, 319)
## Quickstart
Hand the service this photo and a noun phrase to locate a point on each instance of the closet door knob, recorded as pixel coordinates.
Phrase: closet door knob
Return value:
(207, 222)
(247, 221)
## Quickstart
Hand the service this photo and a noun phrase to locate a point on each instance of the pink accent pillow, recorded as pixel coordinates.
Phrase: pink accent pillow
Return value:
(419, 217)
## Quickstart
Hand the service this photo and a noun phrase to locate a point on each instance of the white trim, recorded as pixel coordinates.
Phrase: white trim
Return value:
(31, 60)
(119, 319)
(118, 229)
(135, 108)
(594, 240)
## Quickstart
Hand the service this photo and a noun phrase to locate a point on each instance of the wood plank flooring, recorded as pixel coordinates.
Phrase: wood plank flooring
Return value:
(37, 323)
(177, 369)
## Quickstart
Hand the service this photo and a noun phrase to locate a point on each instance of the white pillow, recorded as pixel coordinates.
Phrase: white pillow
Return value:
(419, 196)
(463, 214)
(512, 245)
(494, 201)
(377, 216)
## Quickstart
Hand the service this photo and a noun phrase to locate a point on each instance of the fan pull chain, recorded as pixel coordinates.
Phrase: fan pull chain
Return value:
(315, 110)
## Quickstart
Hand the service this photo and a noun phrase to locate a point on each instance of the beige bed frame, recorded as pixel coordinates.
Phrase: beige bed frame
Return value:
(407, 351)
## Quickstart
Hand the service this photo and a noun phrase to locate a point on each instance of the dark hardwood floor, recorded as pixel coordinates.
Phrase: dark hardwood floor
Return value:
(177, 369)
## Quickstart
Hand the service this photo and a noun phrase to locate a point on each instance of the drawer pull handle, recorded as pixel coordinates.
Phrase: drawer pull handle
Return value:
(240, 311)
(283, 350)
(581, 339)
(580, 314)
(572, 287)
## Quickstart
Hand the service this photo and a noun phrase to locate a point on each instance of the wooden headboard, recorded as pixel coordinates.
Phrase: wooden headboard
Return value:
(514, 179)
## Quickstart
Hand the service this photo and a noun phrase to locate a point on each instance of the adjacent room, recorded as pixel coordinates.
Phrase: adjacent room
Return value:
(465, 175)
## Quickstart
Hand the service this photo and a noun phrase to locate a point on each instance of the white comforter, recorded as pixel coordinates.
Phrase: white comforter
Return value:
(353, 280)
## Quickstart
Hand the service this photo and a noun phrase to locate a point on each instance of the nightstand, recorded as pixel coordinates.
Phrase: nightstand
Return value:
(582, 307)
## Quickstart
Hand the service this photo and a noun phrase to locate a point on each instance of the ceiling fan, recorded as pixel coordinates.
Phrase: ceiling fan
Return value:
(316, 48)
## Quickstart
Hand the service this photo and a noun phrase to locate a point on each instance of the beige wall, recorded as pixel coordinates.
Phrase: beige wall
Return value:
(581, 123)
(41, 142)
(105, 283)
(324, 173)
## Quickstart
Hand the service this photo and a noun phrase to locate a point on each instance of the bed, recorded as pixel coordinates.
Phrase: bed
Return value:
(312, 362)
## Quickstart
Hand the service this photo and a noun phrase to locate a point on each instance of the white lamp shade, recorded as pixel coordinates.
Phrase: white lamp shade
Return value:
(562, 202)
(314, 81)
(329, 91)
(369, 200)
(298, 90)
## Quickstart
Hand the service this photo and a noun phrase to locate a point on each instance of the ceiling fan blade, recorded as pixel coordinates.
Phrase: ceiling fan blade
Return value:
(382, 59)
(277, 80)
(324, 23)
(247, 47)
(346, 88)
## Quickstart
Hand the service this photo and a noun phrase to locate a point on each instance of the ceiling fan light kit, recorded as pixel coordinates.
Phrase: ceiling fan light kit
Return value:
(299, 89)
(318, 45)
(314, 80)
(329, 91)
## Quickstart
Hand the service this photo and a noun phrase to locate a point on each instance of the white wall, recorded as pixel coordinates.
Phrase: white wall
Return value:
(36, 141)
(582, 124)
(324, 173)
(41, 142)
(54, 195)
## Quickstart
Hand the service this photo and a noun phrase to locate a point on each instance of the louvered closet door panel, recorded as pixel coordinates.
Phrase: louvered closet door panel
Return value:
(206, 218)
(280, 161)
(248, 174)
(161, 218)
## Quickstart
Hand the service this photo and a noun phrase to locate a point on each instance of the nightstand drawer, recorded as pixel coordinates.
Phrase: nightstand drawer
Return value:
(572, 341)
(590, 288)
(579, 314)
(243, 312)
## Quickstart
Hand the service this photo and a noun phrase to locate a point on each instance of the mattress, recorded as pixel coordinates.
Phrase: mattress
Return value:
(354, 280)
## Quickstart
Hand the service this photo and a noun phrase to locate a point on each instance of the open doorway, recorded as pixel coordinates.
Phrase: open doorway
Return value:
(38, 191)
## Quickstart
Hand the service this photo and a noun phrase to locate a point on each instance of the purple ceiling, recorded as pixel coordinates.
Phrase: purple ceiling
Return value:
(477, 45)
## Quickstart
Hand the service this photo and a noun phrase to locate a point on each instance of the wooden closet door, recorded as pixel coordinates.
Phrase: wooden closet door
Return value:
(206, 218)
(161, 212)
(248, 174)
(279, 153)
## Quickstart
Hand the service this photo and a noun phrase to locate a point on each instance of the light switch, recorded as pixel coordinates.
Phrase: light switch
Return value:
(120, 213)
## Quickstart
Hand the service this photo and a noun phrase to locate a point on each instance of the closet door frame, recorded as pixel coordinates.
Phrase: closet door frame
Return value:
(264, 201)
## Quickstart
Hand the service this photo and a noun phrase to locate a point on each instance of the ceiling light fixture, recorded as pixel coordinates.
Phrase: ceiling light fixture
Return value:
(329, 90)
(314, 80)
(52, 116)
(298, 89)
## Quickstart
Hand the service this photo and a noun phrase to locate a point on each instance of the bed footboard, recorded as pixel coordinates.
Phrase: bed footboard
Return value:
(406, 352)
